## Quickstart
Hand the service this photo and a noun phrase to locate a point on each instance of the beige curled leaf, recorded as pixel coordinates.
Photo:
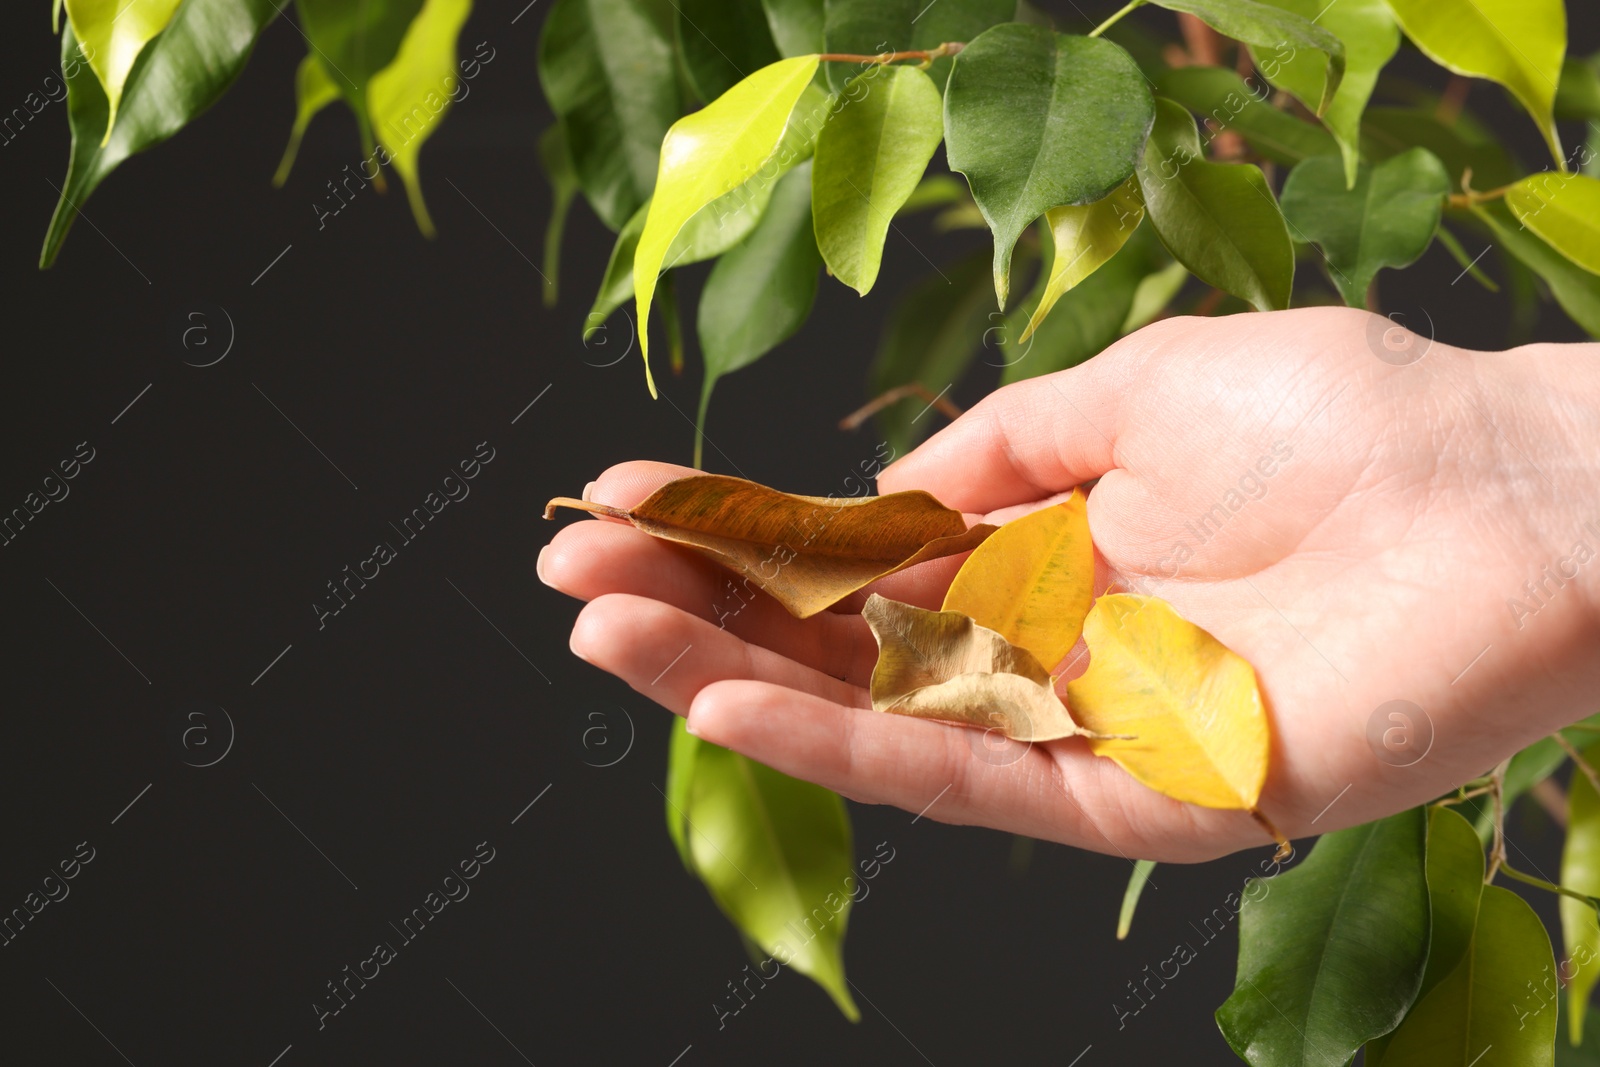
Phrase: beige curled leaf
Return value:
(806, 552)
(942, 665)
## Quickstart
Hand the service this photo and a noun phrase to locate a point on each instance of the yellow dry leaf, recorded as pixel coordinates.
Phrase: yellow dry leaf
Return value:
(1200, 730)
(1032, 581)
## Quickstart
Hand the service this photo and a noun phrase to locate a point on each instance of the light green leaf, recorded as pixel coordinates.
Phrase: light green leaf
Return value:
(55, 16)
(1580, 870)
(608, 72)
(1575, 289)
(1225, 102)
(313, 91)
(870, 156)
(355, 39)
(796, 26)
(683, 752)
(1389, 131)
(1518, 43)
(1564, 211)
(776, 854)
(1130, 896)
(706, 155)
(1370, 37)
(1481, 1009)
(1219, 220)
(1155, 291)
(871, 27)
(408, 98)
(113, 33)
(931, 337)
(1036, 119)
(721, 42)
(1084, 238)
(1275, 37)
(1455, 882)
(556, 160)
(1387, 219)
(182, 71)
(761, 290)
(935, 190)
(1331, 953)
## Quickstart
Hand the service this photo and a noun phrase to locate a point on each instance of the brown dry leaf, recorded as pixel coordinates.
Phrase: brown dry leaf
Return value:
(806, 552)
(942, 665)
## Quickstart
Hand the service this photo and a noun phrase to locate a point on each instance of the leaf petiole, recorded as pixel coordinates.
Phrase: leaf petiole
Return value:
(1116, 18)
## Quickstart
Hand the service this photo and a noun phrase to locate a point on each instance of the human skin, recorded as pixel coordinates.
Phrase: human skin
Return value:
(1382, 559)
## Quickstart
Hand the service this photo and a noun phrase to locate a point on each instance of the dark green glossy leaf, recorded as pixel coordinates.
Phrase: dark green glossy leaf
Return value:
(1036, 119)
(796, 25)
(1580, 870)
(313, 91)
(761, 290)
(1389, 131)
(1224, 101)
(1370, 37)
(355, 39)
(556, 160)
(1575, 289)
(931, 338)
(1387, 219)
(1331, 953)
(1275, 37)
(721, 41)
(1131, 895)
(870, 156)
(776, 854)
(608, 72)
(179, 74)
(1218, 220)
(870, 27)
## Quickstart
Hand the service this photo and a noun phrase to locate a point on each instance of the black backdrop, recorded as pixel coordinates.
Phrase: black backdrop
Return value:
(160, 618)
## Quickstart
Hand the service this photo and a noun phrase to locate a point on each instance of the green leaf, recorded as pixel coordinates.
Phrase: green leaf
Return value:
(408, 98)
(796, 26)
(1331, 952)
(1580, 870)
(683, 752)
(935, 190)
(1130, 896)
(1575, 289)
(55, 16)
(1155, 291)
(1518, 43)
(1455, 882)
(1564, 211)
(1036, 119)
(1387, 219)
(1225, 102)
(706, 155)
(556, 160)
(356, 39)
(608, 72)
(113, 33)
(1586, 1054)
(870, 156)
(1389, 131)
(931, 337)
(1370, 39)
(313, 91)
(180, 73)
(1578, 93)
(871, 27)
(1084, 238)
(1218, 219)
(1481, 1004)
(1453, 245)
(776, 854)
(721, 42)
(761, 290)
(1275, 37)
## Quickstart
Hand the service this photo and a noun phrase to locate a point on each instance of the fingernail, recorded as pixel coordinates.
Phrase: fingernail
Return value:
(538, 565)
(688, 727)
(587, 490)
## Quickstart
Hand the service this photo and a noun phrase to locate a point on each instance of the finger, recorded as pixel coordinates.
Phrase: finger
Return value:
(1026, 441)
(669, 655)
(1059, 792)
(626, 484)
(589, 560)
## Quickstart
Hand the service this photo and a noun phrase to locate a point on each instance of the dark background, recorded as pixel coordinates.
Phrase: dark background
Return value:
(425, 717)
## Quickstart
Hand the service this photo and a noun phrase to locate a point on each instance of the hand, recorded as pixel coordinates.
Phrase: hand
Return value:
(1360, 531)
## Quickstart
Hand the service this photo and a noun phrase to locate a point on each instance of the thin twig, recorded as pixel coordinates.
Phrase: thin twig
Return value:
(1550, 887)
(1552, 798)
(1452, 100)
(1497, 785)
(925, 56)
(1577, 758)
(900, 392)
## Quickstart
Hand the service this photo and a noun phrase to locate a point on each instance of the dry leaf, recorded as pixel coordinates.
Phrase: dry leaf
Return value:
(1200, 729)
(942, 665)
(806, 552)
(1033, 581)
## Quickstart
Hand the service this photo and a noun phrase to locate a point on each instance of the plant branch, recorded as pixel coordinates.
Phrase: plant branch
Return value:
(1116, 18)
(1577, 758)
(924, 56)
(1552, 798)
(1550, 887)
(854, 420)
(1497, 785)
(1469, 197)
